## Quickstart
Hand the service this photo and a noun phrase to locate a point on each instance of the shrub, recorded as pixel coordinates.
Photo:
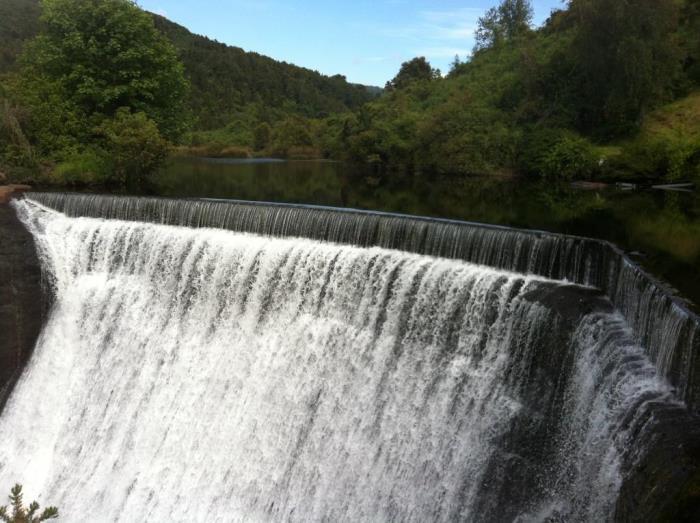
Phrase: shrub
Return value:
(673, 158)
(20, 514)
(14, 145)
(292, 132)
(261, 136)
(557, 154)
(86, 167)
(680, 159)
(571, 158)
(134, 145)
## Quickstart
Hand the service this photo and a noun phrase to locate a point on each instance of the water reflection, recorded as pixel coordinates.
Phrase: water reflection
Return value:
(661, 229)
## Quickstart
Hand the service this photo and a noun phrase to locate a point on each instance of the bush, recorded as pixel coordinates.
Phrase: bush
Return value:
(557, 154)
(573, 157)
(682, 159)
(289, 133)
(83, 168)
(134, 145)
(475, 140)
(15, 148)
(673, 158)
(261, 136)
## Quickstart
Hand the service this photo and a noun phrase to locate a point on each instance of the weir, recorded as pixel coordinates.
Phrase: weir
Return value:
(661, 323)
(219, 361)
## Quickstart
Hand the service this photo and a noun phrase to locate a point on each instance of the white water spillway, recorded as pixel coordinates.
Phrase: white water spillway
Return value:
(208, 375)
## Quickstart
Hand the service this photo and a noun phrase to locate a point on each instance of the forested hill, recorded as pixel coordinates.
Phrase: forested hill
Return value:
(225, 80)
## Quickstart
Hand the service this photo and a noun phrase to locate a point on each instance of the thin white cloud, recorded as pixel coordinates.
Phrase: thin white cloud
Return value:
(439, 25)
(445, 52)
(371, 59)
(454, 24)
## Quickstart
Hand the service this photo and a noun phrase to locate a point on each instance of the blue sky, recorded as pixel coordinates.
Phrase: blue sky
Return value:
(365, 40)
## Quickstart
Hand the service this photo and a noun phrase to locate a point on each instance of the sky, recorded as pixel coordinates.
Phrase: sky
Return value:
(364, 40)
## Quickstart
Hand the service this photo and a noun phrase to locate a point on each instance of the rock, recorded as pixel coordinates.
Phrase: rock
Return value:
(6, 191)
(21, 298)
(3, 177)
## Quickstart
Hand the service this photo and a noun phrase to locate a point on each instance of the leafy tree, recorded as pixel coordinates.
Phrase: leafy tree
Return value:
(418, 69)
(14, 145)
(689, 41)
(291, 133)
(20, 514)
(626, 59)
(261, 136)
(510, 19)
(133, 144)
(100, 55)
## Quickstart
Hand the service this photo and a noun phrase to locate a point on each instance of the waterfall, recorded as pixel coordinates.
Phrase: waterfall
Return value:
(660, 322)
(205, 374)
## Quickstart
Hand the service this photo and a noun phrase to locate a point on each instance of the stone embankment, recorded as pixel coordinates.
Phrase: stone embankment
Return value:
(21, 295)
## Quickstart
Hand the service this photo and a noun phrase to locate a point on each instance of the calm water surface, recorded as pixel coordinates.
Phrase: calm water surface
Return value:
(660, 229)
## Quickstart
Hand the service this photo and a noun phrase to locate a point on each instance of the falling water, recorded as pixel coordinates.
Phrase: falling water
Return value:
(198, 374)
(661, 323)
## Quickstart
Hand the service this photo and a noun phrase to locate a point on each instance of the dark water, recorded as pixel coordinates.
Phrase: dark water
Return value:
(660, 228)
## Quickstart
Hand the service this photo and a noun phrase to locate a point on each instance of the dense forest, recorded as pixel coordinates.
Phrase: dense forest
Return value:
(223, 88)
(604, 89)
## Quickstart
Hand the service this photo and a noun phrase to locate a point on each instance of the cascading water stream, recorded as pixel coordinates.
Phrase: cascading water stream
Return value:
(661, 323)
(207, 375)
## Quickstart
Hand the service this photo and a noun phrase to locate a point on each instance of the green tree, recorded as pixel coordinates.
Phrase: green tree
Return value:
(290, 133)
(627, 60)
(510, 19)
(101, 55)
(134, 146)
(412, 71)
(20, 514)
(261, 136)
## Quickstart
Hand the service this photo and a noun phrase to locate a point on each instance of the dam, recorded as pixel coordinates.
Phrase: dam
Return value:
(205, 360)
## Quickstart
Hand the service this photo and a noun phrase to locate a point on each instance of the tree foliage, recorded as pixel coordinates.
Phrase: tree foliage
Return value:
(20, 514)
(541, 101)
(133, 144)
(418, 69)
(101, 55)
(626, 58)
(97, 82)
(510, 19)
(226, 80)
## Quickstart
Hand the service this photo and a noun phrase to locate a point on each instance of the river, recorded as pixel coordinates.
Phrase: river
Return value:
(659, 229)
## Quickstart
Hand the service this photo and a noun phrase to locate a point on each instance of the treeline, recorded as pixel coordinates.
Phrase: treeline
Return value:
(584, 96)
(227, 81)
(96, 97)
(95, 91)
(604, 89)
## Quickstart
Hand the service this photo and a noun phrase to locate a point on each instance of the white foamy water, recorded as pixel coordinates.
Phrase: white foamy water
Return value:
(205, 375)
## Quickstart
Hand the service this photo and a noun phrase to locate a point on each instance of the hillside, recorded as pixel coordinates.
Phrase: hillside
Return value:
(602, 90)
(225, 80)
